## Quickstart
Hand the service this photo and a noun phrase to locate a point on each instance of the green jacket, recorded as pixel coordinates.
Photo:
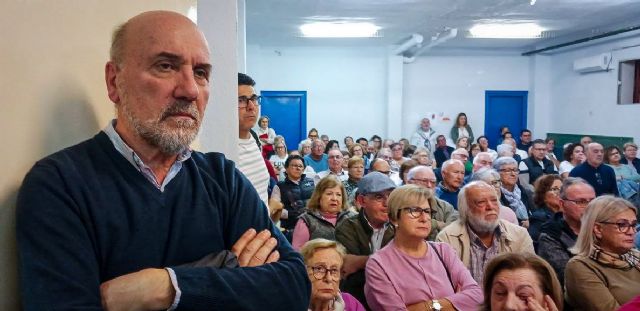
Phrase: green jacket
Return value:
(443, 211)
(354, 233)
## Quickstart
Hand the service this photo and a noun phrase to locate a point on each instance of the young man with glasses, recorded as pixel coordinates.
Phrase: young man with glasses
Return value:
(601, 177)
(560, 233)
(367, 232)
(250, 160)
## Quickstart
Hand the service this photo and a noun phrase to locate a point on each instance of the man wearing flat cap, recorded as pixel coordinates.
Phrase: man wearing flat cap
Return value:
(367, 232)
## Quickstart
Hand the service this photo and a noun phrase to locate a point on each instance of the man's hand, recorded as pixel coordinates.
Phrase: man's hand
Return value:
(148, 289)
(353, 263)
(255, 249)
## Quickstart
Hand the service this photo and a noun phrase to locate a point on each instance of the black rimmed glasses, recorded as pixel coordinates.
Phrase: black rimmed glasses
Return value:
(243, 101)
(425, 181)
(321, 272)
(623, 225)
(416, 212)
(380, 196)
(509, 170)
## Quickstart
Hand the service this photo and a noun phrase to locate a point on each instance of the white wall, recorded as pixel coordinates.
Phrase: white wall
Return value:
(587, 103)
(346, 88)
(453, 84)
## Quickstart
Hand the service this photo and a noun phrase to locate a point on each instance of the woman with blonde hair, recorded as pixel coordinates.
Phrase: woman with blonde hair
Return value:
(605, 272)
(323, 259)
(411, 273)
(326, 208)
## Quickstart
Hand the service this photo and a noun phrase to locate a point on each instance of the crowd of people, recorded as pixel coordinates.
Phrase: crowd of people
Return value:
(134, 219)
(518, 208)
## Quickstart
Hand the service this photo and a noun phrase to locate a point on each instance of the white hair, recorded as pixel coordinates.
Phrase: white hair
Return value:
(447, 163)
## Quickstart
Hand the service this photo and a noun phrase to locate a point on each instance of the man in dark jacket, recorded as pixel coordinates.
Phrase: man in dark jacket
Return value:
(367, 232)
(537, 164)
(442, 152)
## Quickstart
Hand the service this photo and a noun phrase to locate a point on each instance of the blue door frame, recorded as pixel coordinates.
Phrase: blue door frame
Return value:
(287, 111)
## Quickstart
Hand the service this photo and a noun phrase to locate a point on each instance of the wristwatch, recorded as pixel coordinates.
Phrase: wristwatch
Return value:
(435, 305)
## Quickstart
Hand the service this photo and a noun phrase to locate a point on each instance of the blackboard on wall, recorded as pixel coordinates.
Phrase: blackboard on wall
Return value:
(605, 141)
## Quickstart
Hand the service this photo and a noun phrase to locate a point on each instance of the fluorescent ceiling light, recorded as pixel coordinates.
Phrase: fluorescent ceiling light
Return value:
(506, 31)
(339, 30)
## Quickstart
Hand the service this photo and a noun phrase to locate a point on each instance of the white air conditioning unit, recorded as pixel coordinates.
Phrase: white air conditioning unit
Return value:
(592, 64)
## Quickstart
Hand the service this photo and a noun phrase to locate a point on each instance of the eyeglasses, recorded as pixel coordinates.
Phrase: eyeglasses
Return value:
(416, 212)
(296, 166)
(509, 170)
(623, 225)
(320, 272)
(336, 157)
(581, 202)
(380, 197)
(243, 101)
(554, 189)
(496, 183)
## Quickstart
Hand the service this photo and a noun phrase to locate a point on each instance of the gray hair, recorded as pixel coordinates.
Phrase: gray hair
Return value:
(309, 249)
(600, 209)
(303, 143)
(485, 174)
(502, 161)
(460, 150)
(502, 148)
(448, 163)
(422, 149)
(463, 203)
(570, 182)
(316, 142)
(476, 159)
(415, 170)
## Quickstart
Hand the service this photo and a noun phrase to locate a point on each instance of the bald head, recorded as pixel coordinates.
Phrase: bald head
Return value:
(147, 26)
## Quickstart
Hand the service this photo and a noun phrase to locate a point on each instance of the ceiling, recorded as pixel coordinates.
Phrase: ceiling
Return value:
(276, 22)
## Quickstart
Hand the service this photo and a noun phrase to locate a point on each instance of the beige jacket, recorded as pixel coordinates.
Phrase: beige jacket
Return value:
(513, 239)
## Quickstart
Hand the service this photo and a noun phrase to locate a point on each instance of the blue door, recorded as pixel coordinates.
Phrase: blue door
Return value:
(287, 111)
(504, 108)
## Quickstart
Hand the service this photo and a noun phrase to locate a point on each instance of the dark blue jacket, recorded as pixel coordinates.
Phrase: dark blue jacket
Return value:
(601, 178)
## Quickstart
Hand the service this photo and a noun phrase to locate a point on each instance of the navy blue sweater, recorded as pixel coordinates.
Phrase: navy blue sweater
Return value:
(601, 178)
(85, 215)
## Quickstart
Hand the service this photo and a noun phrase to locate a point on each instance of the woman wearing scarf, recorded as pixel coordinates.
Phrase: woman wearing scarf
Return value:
(513, 196)
(605, 273)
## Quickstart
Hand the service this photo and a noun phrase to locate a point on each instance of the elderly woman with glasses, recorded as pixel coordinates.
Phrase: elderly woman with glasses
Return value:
(326, 209)
(411, 273)
(605, 273)
(513, 195)
(324, 259)
(547, 201)
(397, 156)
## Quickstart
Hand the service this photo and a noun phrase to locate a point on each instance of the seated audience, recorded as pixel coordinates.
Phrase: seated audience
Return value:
(546, 199)
(313, 134)
(463, 142)
(559, 235)
(525, 140)
(521, 281)
(411, 272)
(442, 152)
(382, 166)
(325, 139)
(605, 272)
(317, 159)
(356, 172)
(479, 234)
(407, 151)
(630, 156)
(601, 177)
(513, 196)
(335, 160)
(293, 192)
(550, 155)
(387, 143)
(384, 153)
(305, 147)
(367, 232)
(348, 142)
(491, 177)
(326, 209)
(324, 259)
(404, 168)
(536, 165)
(612, 157)
(397, 157)
(519, 155)
(331, 144)
(585, 141)
(483, 142)
(461, 128)
(422, 156)
(356, 150)
(452, 181)
(473, 150)
(443, 212)
(376, 142)
(573, 156)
